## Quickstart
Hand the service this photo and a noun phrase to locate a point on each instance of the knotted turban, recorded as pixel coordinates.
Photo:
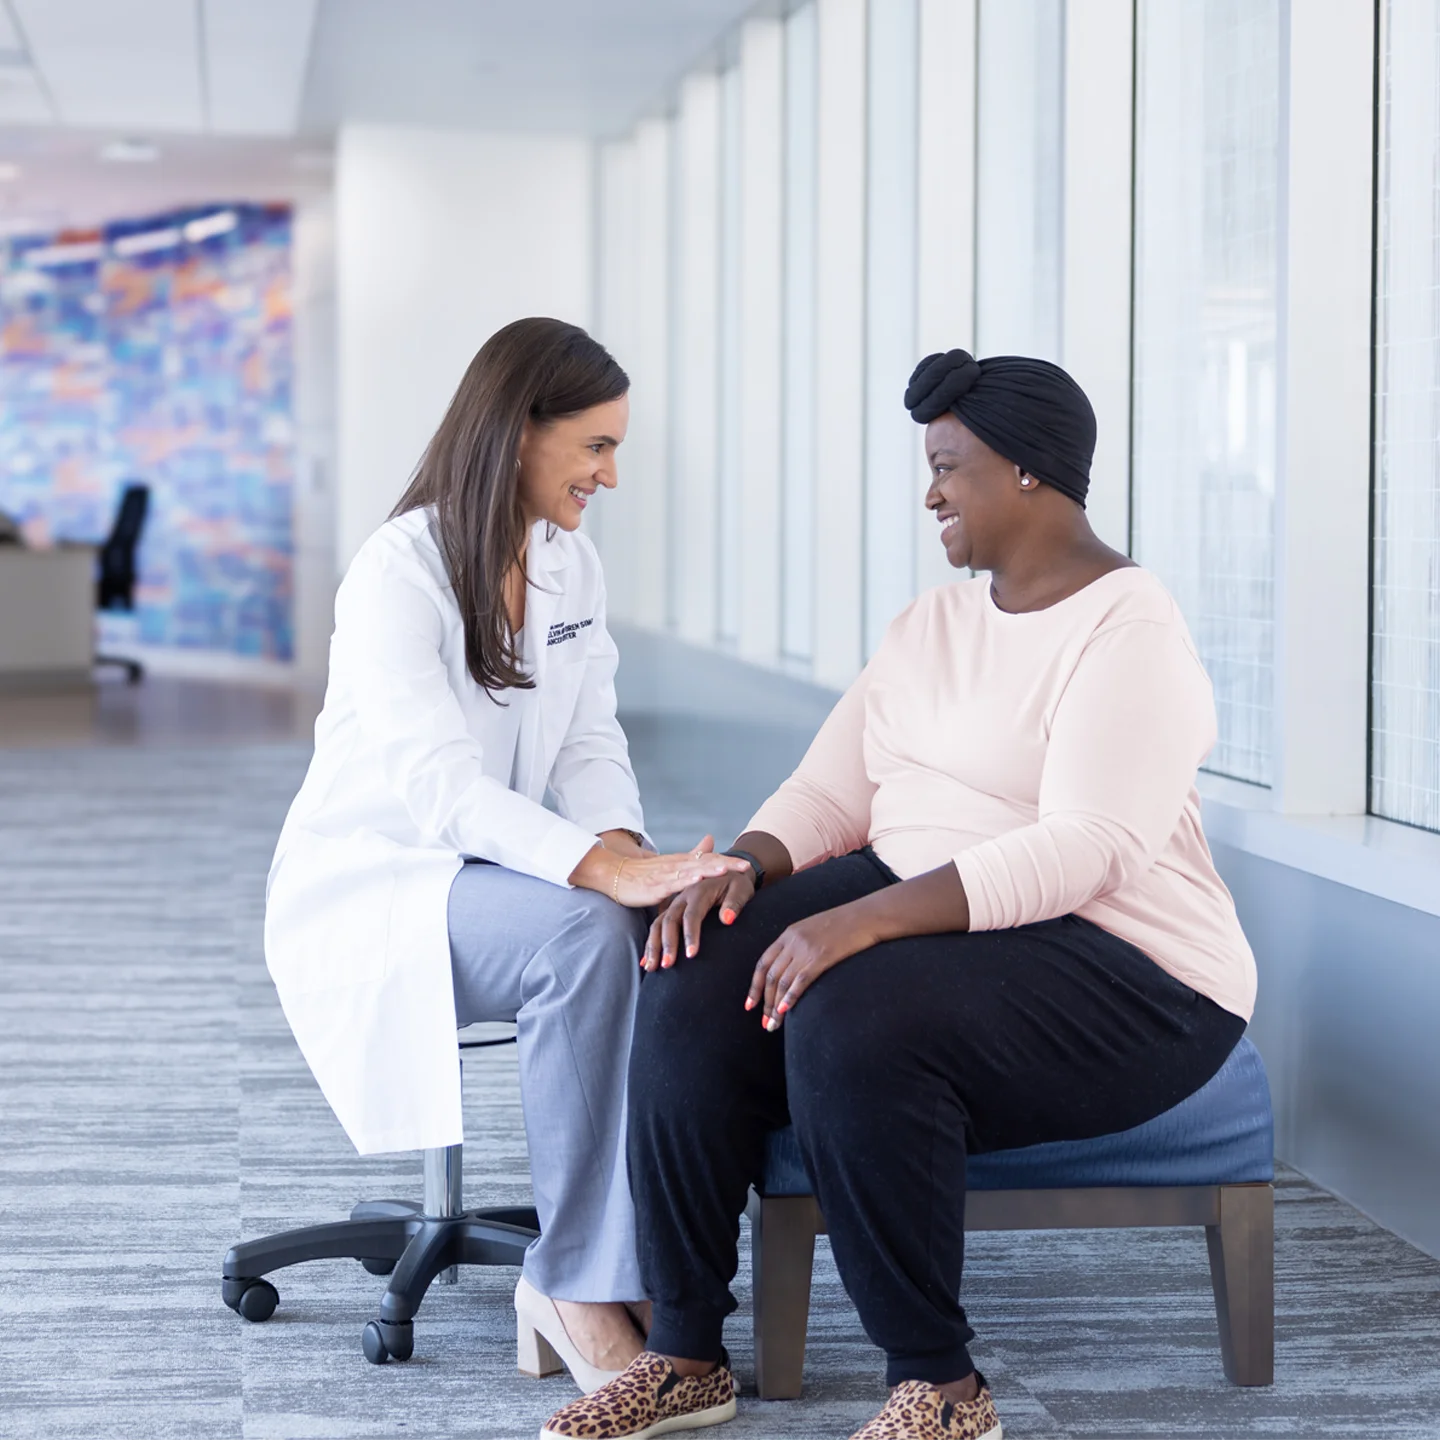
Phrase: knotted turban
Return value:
(1029, 411)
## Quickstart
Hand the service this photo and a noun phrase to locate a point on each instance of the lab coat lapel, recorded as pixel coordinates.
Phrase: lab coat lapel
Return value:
(544, 574)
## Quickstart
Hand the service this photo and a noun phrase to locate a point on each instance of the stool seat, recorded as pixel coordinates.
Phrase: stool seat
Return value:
(1223, 1134)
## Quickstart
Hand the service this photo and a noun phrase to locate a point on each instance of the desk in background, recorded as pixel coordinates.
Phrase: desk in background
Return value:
(47, 618)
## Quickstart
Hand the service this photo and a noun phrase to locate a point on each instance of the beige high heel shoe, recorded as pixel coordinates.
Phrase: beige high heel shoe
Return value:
(542, 1345)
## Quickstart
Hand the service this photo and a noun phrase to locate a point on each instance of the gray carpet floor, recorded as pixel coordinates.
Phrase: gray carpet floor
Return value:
(153, 1110)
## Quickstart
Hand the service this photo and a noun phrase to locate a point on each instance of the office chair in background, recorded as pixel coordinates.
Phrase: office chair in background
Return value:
(115, 587)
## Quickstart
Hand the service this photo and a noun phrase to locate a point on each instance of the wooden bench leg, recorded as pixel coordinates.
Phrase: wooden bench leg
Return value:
(782, 1249)
(1242, 1270)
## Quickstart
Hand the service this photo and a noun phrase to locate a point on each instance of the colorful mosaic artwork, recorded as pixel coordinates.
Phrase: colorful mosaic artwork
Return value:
(160, 350)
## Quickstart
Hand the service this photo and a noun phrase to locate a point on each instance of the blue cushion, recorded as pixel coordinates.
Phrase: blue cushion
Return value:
(1223, 1134)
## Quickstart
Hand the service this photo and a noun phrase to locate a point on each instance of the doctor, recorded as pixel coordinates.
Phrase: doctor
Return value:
(419, 883)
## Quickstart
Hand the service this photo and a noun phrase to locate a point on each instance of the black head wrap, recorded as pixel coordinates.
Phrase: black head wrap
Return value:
(1029, 411)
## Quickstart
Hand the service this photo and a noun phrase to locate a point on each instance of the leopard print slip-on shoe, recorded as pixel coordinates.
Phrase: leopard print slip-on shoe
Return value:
(647, 1398)
(917, 1411)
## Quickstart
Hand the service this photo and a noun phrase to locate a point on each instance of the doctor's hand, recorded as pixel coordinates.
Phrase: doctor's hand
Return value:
(646, 880)
(682, 918)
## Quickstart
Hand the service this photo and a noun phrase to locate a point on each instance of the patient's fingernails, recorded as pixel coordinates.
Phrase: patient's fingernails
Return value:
(727, 917)
(772, 1024)
(749, 1003)
(782, 1007)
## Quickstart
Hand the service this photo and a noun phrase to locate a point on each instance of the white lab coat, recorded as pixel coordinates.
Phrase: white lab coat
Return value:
(398, 791)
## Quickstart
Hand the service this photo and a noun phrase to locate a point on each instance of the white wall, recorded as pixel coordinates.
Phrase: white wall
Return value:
(314, 502)
(441, 238)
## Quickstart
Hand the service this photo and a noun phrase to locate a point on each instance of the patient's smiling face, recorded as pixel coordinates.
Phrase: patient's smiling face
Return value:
(975, 495)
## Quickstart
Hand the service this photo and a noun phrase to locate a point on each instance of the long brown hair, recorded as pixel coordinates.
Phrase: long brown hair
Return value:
(538, 370)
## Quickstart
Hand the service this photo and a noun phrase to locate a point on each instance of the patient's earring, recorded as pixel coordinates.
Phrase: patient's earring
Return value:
(1025, 481)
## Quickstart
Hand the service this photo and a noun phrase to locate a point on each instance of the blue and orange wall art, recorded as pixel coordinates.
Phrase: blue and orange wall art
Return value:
(161, 350)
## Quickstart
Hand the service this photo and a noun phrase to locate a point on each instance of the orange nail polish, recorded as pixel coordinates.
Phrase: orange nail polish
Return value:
(727, 917)
(781, 1008)
(749, 1003)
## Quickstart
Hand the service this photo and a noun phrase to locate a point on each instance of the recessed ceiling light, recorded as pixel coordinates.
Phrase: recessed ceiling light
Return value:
(130, 152)
(9, 170)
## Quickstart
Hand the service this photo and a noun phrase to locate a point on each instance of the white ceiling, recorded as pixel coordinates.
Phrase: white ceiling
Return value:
(274, 67)
(232, 91)
(588, 66)
(232, 67)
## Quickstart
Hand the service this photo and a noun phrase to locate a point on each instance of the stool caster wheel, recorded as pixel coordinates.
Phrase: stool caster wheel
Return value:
(382, 1341)
(254, 1300)
(378, 1267)
(373, 1345)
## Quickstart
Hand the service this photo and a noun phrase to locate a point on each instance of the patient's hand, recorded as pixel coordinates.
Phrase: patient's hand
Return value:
(681, 918)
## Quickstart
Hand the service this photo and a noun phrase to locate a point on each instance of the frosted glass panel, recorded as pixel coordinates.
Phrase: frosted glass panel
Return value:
(728, 538)
(1405, 742)
(797, 558)
(1206, 263)
(894, 483)
(1019, 177)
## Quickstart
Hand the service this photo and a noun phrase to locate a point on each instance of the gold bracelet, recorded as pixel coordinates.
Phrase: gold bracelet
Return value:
(615, 885)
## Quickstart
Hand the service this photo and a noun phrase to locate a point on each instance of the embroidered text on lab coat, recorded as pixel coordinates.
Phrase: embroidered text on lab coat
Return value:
(561, 631)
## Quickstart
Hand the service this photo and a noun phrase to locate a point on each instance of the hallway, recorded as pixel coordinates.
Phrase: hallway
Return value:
(154, 1109)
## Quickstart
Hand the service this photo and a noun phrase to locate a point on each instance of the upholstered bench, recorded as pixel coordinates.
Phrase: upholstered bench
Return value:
(1209, 1161)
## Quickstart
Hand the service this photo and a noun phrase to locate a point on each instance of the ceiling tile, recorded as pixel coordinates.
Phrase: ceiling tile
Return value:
(130, 64)
(256, 55)
(587, 66)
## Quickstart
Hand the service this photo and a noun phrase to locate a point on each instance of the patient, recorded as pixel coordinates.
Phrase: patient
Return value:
(980, 915)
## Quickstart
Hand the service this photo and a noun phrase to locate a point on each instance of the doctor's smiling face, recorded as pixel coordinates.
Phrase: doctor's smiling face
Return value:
(564, 461)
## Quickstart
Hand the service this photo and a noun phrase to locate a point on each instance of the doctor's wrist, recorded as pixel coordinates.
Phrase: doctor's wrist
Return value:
(598, 869)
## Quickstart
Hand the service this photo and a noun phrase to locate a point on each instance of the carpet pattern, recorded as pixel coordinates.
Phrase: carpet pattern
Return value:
(154, 1109)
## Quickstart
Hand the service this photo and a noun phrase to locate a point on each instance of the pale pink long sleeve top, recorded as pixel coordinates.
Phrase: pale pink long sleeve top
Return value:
(1051, 756)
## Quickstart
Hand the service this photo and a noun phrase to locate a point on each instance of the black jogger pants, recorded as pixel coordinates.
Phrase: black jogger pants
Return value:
(893, 1067)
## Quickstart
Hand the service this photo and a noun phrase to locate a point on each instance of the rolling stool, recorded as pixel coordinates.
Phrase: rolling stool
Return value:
(415, 1244)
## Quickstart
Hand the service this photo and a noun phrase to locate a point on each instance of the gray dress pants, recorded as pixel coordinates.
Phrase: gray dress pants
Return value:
(565, 965)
